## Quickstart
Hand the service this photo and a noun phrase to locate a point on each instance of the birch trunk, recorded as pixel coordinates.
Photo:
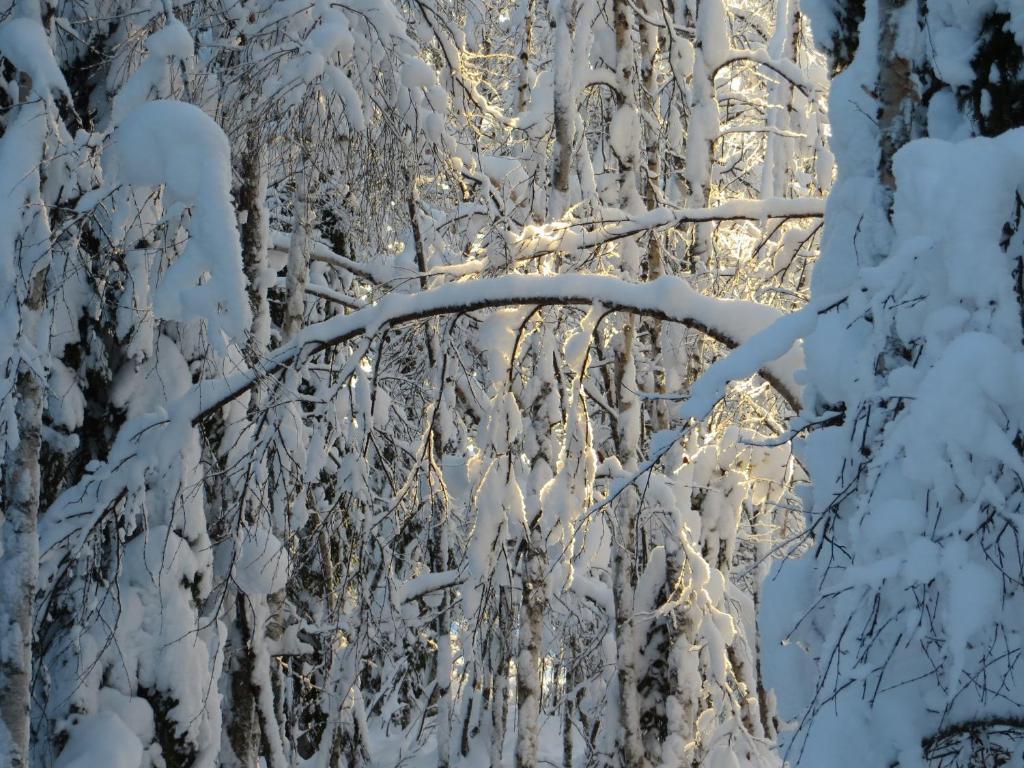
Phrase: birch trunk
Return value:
(19, 557)
(19, 561)
(564, 107)
(535, 567)
(298, 256)
(627, 435)
(624, 554)
(500, 667)
(241, 726)
(703, 125)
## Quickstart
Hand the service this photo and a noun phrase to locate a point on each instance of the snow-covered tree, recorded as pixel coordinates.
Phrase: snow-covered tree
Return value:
(901, 642)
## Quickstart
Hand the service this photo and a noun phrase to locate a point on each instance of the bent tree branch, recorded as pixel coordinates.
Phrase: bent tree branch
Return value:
(672, 299)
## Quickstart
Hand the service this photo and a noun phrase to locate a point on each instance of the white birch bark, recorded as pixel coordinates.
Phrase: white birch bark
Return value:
(27, 254)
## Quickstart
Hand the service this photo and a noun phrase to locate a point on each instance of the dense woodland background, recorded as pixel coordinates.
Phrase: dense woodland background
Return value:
(458, 383)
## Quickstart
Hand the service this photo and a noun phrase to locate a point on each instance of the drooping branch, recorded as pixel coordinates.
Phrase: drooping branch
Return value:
(668, 298)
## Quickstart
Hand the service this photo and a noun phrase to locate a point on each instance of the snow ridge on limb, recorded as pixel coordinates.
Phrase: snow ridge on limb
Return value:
(671, 298)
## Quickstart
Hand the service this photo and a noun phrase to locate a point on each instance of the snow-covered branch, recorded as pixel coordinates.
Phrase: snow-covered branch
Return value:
(570, 237)
(730, 322)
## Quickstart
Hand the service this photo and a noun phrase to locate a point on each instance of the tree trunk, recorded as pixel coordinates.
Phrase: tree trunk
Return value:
(19, 557)
(19, 561)
(500, 667)
(535, 565)
(624, 554)
(298, 256)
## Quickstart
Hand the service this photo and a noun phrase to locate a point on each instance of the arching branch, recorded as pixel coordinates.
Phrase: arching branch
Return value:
(668, 298)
